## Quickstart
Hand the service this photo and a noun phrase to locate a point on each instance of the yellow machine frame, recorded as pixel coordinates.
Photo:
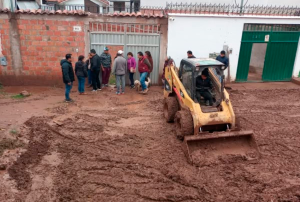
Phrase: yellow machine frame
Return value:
(226, 116)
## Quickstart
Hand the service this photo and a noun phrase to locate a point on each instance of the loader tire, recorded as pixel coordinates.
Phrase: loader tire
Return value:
(170, 108)
(184, 124)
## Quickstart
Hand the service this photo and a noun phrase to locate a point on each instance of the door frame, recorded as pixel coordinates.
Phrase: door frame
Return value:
(256, 33)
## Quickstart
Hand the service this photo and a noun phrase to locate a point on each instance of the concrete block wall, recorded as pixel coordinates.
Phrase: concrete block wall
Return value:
(43, 43)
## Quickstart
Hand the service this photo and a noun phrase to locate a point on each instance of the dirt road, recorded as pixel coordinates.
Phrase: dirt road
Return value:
(113, 148)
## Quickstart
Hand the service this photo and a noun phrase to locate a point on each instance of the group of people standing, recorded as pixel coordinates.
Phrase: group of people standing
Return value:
(101, 66)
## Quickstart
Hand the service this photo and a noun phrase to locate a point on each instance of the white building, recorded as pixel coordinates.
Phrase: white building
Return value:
(264, 48)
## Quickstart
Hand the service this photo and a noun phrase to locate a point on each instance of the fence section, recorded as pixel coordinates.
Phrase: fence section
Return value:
(231, 9)
(129, 37)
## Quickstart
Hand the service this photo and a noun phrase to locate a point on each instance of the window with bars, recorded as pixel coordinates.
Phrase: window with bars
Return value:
(121, 28)
(272, 27)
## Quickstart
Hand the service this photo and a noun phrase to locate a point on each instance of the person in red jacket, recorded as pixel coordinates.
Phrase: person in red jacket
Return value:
(144, 67)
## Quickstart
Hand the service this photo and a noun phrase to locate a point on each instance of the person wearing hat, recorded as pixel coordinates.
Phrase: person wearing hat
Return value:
(106, 66)
(120, 70)
(95, 68)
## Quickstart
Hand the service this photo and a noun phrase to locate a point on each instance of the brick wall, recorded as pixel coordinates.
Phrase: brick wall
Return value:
(43, 44)
(43, 40)
(5, 46)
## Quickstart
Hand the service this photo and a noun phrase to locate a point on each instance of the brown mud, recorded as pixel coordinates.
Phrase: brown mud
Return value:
(114, 148)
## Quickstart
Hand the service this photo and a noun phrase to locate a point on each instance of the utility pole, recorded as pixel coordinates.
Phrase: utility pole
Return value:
(241, 8)
(11, 6)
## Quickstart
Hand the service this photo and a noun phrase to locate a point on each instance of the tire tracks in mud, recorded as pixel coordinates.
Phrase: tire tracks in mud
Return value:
(145, 162)
(41, 134)
(36, 149)
(123, 161)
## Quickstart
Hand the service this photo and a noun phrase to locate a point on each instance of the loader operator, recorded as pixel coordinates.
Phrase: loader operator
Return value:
(204, 85)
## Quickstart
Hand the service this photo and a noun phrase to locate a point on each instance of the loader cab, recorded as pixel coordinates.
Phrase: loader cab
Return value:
(191, 69)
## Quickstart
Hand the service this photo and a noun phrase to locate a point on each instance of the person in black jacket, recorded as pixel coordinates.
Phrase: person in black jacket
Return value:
(68, 75)
(81, 73)
(88, 66)
(190, 54)
(95, 68)
(222, 58)
(203, 85)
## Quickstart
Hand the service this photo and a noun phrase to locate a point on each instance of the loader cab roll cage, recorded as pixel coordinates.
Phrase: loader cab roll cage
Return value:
(190, 69)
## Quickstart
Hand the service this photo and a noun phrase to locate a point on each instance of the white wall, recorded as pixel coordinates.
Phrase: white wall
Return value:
(251, 2)
(207, 34)
(73, 2)
(7, 4)
(258, 55)
(79, 2)
(297, 62)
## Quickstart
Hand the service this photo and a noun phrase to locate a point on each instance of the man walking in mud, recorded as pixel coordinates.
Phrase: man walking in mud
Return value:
(68, 75)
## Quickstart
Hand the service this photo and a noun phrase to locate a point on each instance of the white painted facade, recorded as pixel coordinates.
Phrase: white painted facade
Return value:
(80, 2)
(73, 2)
(162, 3)
(204, 34)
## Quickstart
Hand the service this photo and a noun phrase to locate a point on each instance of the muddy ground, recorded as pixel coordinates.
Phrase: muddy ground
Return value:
(113, 148)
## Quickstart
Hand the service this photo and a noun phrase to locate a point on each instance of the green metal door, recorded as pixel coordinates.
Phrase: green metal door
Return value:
(244, 61)
(281, 50)
(248, 38)
(280, 56)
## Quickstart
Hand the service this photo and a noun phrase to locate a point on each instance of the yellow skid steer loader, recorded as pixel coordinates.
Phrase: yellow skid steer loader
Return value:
(209, 133)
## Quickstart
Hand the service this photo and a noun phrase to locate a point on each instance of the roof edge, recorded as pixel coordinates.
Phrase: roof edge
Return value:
(83, 13)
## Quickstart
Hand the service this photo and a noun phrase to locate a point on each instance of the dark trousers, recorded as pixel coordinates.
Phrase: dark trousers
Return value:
(148, 76)
(105, 75)
(206, 95)
(96, 81)
(131, 78)
(90, 76)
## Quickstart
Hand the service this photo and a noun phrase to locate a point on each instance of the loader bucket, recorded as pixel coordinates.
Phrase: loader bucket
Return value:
(221, 147)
